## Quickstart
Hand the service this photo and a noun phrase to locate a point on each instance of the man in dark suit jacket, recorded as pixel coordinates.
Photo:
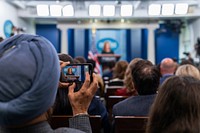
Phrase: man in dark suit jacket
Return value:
(146, 81)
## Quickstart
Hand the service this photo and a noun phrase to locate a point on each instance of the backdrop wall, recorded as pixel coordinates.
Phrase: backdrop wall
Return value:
(132, 43)
(50, 32)
(167, 44)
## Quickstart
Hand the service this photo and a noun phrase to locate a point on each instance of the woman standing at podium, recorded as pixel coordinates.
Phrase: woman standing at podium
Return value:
(106, 48)
(107, 65)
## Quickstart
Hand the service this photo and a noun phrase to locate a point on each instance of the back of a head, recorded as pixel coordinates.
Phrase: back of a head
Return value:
(28, 79)
(81, 59)
(145, 77)
(128, 80)
(76, 61)
(65, 58)
(120, 69)
(184, 62)
(167, 66)
(176, 108)
(188, 70)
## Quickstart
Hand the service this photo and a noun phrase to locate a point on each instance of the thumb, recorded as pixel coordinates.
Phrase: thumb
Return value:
(71, 88)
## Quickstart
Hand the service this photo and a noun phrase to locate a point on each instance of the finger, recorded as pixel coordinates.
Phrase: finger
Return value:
(71, 89)
(86, 83)
(64, 85)
(63, 64)
(94, 85)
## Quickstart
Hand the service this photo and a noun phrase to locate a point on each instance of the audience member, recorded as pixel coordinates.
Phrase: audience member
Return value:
(66, 58)
(185, 61)
(76, 61)
(108, 69)
(28, 84)
(188, 70)
(118, 74)
(62, 104)
(145, 77)
(176, 108)
(167, 69)
(129, 89)
(189, 57)
(80, 59)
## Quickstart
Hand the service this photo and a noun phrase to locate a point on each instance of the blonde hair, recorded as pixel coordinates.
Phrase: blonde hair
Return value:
(188, 70)
(128, 80)
(106, 43)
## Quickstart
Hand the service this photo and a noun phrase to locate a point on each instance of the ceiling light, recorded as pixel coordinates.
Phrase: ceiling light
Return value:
(43, 10)
(154, 9)
(126, 10)
(167, 9)
(181, 8)
(68, 10)
(55, 10)
(108, 10)
(94, 10)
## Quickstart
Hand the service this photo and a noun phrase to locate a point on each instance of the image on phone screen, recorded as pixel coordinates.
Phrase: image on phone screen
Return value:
(75, 72)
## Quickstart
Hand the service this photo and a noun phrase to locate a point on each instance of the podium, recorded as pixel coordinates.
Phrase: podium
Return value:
(108, 60)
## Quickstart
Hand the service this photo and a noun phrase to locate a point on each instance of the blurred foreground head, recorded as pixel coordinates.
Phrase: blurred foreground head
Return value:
(28, 78)
(176, 108)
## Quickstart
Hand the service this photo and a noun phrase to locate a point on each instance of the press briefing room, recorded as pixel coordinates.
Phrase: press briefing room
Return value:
(99, 66)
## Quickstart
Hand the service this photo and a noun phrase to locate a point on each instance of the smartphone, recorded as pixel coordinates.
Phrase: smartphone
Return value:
(76, 72)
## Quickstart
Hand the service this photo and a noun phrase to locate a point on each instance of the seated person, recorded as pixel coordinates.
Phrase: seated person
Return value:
(129, 89)
(29, 79)
(145, 77)
(118, 74)
(62, 104)
(176, 108)
(188, 70)
(167, 69)
(108, 69)
(80, 59)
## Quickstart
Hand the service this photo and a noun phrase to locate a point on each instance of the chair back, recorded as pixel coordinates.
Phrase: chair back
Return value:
(110, 92)
(112, 100)
(63, 121)
(130, 124)
(113, 87)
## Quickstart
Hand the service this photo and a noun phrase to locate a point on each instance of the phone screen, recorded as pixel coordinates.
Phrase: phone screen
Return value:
(76, 72)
